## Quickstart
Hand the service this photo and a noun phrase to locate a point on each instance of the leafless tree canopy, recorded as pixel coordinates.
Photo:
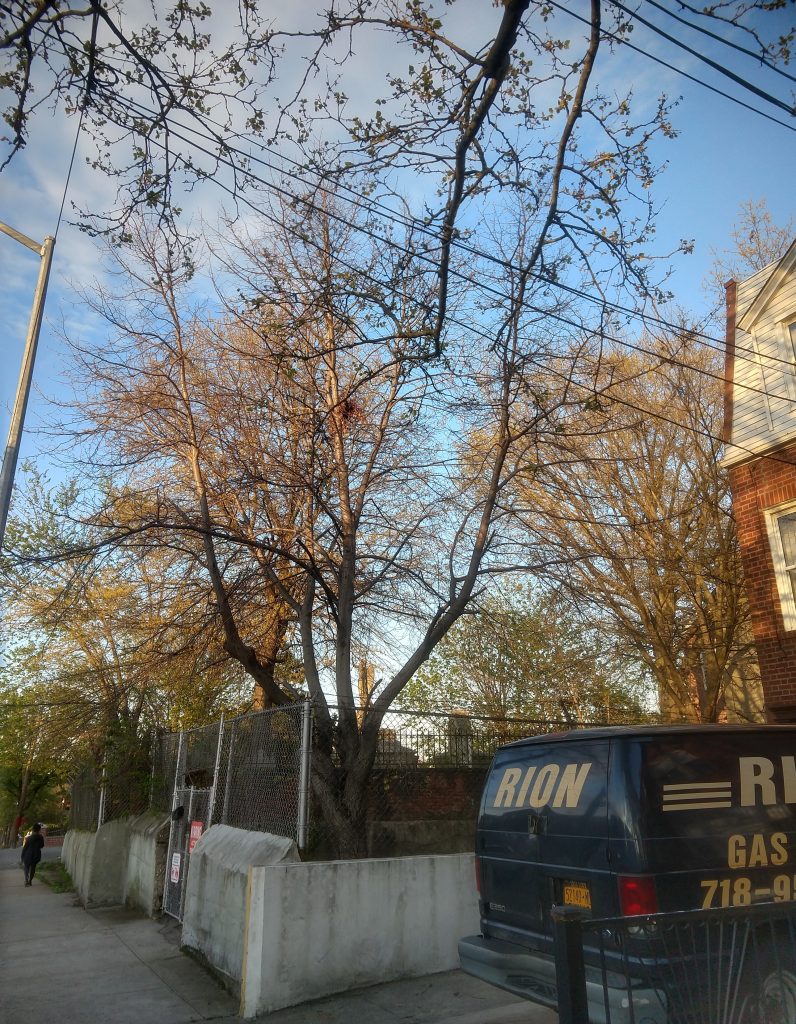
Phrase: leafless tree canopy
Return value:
(635, 503)
(342, 455)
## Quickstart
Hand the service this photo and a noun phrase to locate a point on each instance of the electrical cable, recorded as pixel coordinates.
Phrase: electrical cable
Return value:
(768, 97)
(471, 328)
(69, 171)
(679, 71)
(361, 202)
(496, 292)
(367, 203)
(742, 351)
(714, 35)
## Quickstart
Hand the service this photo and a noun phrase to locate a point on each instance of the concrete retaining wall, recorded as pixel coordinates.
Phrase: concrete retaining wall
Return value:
(281, 932)
(214, 919)
(96, 862)
(146, 862)
(77, 856)
(122, 862)
(316, 929)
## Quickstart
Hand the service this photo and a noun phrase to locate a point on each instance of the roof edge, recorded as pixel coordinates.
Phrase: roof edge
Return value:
(764, 296)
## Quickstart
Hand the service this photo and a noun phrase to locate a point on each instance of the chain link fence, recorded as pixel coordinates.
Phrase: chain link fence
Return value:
(424, 790)
(84, 811)
(422, 794)
(252, 765)
(120, 788)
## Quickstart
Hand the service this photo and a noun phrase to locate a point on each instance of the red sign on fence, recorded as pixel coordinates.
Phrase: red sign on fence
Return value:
(196, 830)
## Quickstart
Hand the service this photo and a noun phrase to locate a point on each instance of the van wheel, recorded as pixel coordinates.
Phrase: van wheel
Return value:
(769, 1000)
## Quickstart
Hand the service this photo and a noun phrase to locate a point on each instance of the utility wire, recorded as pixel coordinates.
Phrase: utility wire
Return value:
(368, 205)
(698, 336)
(725, 42)
(742, 82)
(471, 328)
(468, 279)
(671, 67)
(69, 172)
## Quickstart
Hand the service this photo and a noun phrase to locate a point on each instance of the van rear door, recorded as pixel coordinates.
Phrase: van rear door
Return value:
(716, 816)
(542, 836)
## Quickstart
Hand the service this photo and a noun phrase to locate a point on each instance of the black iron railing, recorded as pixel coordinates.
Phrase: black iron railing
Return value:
(723, 966)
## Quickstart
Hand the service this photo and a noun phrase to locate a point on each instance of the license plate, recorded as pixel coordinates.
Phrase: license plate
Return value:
(576, 894)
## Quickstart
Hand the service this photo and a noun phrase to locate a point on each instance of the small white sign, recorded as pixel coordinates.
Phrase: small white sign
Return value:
(175, 867)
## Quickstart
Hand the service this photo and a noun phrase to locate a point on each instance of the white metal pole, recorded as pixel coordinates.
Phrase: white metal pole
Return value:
(167, 877)
(26, 372)
(304, 777)
(101, 808)
(215, 773)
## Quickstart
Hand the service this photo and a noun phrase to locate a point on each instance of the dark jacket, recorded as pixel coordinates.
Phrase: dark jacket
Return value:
(32, 847)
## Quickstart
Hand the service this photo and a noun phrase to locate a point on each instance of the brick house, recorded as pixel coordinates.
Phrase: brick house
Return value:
(760, 433)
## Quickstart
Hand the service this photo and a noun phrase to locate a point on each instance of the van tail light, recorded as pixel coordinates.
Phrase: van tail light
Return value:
(478, 875)
(637, 895)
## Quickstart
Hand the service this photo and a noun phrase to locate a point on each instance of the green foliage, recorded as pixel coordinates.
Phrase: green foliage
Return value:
(523, 655)
(33, 761)
(54, 874)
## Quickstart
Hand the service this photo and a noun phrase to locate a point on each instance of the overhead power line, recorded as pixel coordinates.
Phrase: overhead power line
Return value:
(671, 67)
(490, 337)
(758, 58)
(768, 97)
(742, 353)
(368, 204)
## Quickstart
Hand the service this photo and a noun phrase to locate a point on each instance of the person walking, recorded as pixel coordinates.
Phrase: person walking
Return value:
(31, 852)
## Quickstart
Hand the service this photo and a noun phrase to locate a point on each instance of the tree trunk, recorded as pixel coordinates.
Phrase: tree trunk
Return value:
(24, 785)
(344, 818)
(340, 784)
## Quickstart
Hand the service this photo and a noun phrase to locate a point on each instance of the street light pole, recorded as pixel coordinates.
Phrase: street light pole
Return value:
(45, 253)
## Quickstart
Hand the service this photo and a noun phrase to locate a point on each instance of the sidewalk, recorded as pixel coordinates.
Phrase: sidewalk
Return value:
(60, 962)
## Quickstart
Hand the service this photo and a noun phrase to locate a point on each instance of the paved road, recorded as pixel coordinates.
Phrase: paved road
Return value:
(60, 962)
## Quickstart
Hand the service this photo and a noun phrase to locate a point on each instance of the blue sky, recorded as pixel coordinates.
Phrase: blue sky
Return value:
(723, 156)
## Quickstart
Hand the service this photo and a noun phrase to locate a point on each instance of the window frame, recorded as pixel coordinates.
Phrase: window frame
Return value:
(787, 601)
(788, 332)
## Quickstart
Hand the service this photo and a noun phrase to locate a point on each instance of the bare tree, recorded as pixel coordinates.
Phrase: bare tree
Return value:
(757, 241)
(638, 508)
(336, 454)
(310, 469)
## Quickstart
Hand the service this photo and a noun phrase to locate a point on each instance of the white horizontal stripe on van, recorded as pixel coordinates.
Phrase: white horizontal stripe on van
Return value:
(699, 794)
(698, 807)
(677, 786)
(698, 801)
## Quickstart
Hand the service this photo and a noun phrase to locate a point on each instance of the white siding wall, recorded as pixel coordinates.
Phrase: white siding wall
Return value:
(761, 423)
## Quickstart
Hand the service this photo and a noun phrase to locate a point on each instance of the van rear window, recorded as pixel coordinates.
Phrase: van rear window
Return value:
(706, 784)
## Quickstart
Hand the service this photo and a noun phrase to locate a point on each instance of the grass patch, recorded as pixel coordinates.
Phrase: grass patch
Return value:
(54, 874)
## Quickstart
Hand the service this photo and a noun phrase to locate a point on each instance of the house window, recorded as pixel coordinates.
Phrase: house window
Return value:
(782, 536)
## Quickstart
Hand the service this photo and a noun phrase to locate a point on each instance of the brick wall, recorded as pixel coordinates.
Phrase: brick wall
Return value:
(428, 793)
(756, 486)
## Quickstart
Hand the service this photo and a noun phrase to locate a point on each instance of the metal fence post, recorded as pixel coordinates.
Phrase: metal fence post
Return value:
(102, 794)
(173, 809)
(304, 775)
(228, 780)
(152, 755)
(215, 773)
(573, 1007)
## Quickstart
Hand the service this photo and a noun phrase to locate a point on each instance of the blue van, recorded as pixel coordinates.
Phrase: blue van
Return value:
(627, 823)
